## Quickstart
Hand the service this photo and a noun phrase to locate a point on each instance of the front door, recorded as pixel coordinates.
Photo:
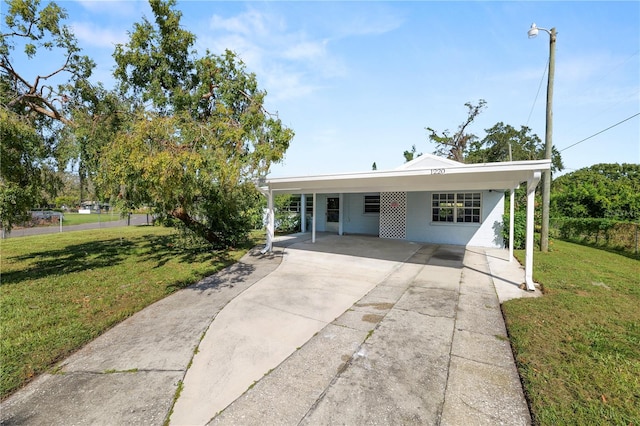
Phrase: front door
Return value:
(333, 214)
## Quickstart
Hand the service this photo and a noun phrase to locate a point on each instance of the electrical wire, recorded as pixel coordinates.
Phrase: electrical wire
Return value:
(601, 131)
(538, 93)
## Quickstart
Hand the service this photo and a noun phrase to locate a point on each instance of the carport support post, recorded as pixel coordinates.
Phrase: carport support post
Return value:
(511, 213)
(303, 213)
(271, 223)
(340, 213)
(528, 264)
(313, 220)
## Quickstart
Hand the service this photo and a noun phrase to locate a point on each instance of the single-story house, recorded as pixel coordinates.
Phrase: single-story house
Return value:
(429, 200)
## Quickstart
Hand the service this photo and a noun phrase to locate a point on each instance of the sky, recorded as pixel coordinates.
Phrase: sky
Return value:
(359, 81)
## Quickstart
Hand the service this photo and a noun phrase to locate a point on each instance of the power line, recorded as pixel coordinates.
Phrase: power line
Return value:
(538, 93)
(601, 131)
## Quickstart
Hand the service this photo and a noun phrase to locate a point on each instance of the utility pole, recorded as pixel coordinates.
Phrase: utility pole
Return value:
(548, 138)
(548, 144)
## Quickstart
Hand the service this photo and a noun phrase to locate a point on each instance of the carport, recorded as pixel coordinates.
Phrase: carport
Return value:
(427, 173)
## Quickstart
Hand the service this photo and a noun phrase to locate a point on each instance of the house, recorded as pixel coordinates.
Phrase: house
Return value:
(428, 200)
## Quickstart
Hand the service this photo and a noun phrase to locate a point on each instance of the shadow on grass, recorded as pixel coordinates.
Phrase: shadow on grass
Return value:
(106, 253)
(70, 259)
(615, 250)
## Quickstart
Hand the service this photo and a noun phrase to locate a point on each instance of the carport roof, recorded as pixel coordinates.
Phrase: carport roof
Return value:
(423, 174)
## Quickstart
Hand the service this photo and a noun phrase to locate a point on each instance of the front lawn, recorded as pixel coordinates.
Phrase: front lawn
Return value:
(577, 348)
(60, 291)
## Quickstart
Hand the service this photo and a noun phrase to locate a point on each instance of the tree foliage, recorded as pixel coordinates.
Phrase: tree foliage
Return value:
(601, 191)
(199, 136)
(503, 142)
(34, 105)
(411, 154)
(455, 146)
(37, 31)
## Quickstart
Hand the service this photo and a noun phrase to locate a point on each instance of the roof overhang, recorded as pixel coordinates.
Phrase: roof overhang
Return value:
(463, 177)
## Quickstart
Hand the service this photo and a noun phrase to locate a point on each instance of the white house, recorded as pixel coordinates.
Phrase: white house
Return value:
(428, 200)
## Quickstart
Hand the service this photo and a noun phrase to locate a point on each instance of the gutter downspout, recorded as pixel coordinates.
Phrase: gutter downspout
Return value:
(528, 266)
(268, 247)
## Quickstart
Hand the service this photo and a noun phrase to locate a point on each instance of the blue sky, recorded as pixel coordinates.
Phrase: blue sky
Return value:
(358, 82)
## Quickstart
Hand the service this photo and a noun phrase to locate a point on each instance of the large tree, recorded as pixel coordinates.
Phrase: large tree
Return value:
(503, 142)
(600, 191)
(200, 134)
(455, 146)
(35, 105)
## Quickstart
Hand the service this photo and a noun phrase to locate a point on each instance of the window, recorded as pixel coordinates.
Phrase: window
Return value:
(462, 207)
(372, 203)
(292, 204)
(309, 206)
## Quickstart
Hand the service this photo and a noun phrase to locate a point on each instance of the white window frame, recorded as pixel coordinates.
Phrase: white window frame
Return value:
(459, 203)
(364, 204)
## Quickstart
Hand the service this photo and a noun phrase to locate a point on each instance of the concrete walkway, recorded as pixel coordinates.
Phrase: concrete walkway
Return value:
(350, 330)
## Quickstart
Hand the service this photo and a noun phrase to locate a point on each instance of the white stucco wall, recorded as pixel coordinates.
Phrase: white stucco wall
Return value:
(486, 234)
(321, 212)
(356, 221)
(419, 226)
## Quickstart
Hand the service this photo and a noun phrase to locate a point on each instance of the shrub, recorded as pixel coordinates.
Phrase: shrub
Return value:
(519, 229)
(610, 233)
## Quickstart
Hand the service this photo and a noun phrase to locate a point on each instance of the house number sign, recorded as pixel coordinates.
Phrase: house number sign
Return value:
(437, 171)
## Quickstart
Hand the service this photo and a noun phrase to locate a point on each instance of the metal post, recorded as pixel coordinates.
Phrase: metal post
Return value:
(511, 220)
(303, 213)
(528, 265)
(340, 214)
(313, 220)
(271, 221)
(548, 144)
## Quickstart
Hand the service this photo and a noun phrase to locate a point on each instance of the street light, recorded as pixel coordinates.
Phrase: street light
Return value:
(546, 188)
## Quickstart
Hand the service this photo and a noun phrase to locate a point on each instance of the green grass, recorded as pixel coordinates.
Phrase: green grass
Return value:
(78, 219)
(60, 291)
(577, 348)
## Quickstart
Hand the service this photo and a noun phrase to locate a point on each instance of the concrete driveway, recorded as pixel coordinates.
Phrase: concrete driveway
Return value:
(349, 330)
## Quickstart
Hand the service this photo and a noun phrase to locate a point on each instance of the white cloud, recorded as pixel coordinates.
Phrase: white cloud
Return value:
(112, 7)
(293, 58)
(283, 59)
(250, 23)
(372, 24)
(89, 34)
(306, 50)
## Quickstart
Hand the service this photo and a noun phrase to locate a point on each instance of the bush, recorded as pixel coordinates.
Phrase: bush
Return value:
(287, 222)
(519, 229)
(610, 233)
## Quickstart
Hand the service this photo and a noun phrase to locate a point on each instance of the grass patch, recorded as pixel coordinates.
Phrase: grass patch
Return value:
(60, 291)
(578, 348)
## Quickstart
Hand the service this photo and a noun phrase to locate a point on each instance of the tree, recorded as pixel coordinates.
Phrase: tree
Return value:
(374, 166)
(410, 155)
(601, 191)
(97, 119)
(504, 143)
(455, 146)
(199, 136)
(34, 110)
